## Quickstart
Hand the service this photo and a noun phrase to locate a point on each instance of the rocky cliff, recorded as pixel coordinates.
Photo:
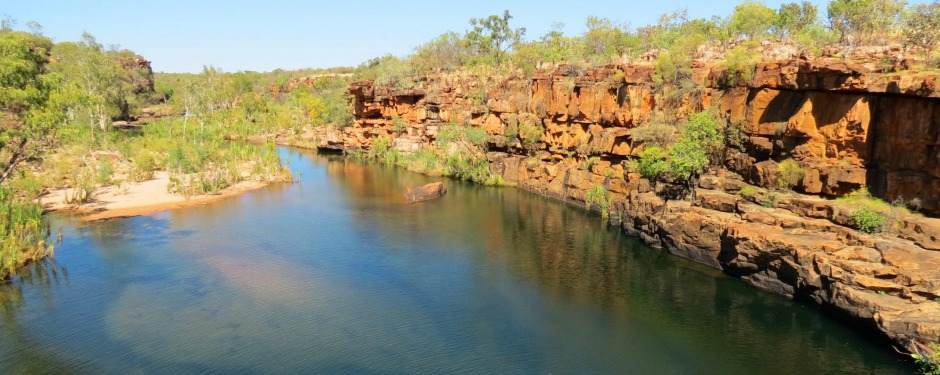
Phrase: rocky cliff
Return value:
(846, 124)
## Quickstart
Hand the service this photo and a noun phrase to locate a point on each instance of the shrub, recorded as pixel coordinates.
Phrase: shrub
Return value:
(740, 62)
(748, 192)
(868, 220)
(789, 173)
(398, 124)
(531, 134)
(652, 163)
(598, 196)
(24, 232)
(656, 133)
(929, 362)
(770, 200)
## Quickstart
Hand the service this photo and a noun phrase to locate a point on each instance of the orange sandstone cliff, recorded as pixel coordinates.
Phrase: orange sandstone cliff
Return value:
(846, 124)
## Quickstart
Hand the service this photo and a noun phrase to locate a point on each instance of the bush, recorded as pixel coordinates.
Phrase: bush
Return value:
(740, 62)
(24, 232)
(748, 192)
(531, 134)
(652, 163)
(868, 220)
(789, 173)
(929, 362)
(598, 196)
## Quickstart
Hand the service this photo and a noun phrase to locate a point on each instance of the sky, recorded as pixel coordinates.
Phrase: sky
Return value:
(184, 36)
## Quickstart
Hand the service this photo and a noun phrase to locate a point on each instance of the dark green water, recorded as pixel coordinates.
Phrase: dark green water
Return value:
(337, 275)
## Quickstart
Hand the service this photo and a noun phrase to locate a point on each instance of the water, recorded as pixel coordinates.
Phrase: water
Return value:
(337, 275)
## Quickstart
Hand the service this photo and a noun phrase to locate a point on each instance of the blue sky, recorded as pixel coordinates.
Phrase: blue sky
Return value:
(182, 36)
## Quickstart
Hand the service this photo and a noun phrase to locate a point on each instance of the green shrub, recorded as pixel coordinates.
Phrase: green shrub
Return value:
(740, 62)
(929, 362)
(598, 196)
(531, 134)
(868, 220)
(24, 232)
(770, 200)
(789, 173)
(748, 192)
(398, 124)
(652, 163)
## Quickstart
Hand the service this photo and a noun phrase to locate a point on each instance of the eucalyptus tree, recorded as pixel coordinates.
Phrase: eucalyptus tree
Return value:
(27, 95)
(94, 82)
(865, 21)
(492, 36)
(922, 26)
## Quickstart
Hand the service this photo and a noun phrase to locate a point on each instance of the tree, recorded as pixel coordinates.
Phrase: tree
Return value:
(698, 148)
(793, 18)
(751, 20)
(492, 36)
(100, 87)
(447, 51)
(605, 39)
(864, 21)
(922, 26)
(27, 119)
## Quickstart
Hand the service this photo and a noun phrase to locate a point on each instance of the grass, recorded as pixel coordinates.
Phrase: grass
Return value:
(872, 215)
(24, 232)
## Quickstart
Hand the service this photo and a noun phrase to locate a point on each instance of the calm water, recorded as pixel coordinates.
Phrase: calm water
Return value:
(337, 275)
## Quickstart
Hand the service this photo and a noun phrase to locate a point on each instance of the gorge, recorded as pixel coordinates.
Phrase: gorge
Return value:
(848, 126)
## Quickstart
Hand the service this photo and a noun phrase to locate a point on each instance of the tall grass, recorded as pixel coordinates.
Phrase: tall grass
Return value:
(23, 232)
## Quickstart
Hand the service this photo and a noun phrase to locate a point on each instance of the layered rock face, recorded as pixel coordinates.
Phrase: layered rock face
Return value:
(846, 125)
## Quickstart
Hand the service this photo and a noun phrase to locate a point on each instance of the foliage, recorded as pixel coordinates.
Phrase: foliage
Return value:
(598, 196)
(447, 51)
(655, 132)
(23, 230)
(687, 160)
(672, 67)
(868, 220)
(751, 20)
(388, 70)
(861, 22)
(814, 38)
(652, 163)
(97, 86)
(530, 134)
(704, 132)
(922, 26)
(928, 360)
(740, 62)
(748, 192)
(789, 173)
(872, 214)
(793, 19)
(492, 36)
(605, 39)
(27, 99)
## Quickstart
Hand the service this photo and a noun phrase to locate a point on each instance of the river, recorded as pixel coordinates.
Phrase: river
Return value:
(336, 274)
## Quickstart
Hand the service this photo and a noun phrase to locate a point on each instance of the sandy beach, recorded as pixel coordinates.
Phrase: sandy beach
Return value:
(134, 199)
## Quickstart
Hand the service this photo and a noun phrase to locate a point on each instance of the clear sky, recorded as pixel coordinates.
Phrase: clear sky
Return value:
(184, 35)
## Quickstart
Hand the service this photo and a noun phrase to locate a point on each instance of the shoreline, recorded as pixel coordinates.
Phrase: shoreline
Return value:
(137, 199)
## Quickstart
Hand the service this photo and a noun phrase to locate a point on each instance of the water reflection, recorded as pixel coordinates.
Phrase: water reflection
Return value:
(337, 274)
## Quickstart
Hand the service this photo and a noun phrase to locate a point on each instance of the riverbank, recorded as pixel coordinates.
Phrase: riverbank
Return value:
(136, 199)
(791, 238)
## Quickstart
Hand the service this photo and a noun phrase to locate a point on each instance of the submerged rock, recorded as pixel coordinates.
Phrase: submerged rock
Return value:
(425, 192)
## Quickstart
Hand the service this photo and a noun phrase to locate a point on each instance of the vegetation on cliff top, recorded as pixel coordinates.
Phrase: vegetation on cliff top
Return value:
(674, 41)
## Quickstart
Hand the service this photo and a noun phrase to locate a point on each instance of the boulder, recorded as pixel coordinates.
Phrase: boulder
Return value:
(425, 192)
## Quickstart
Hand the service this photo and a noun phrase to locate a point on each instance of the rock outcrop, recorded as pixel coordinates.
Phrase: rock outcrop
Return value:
(845, 124)
(425, 192)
